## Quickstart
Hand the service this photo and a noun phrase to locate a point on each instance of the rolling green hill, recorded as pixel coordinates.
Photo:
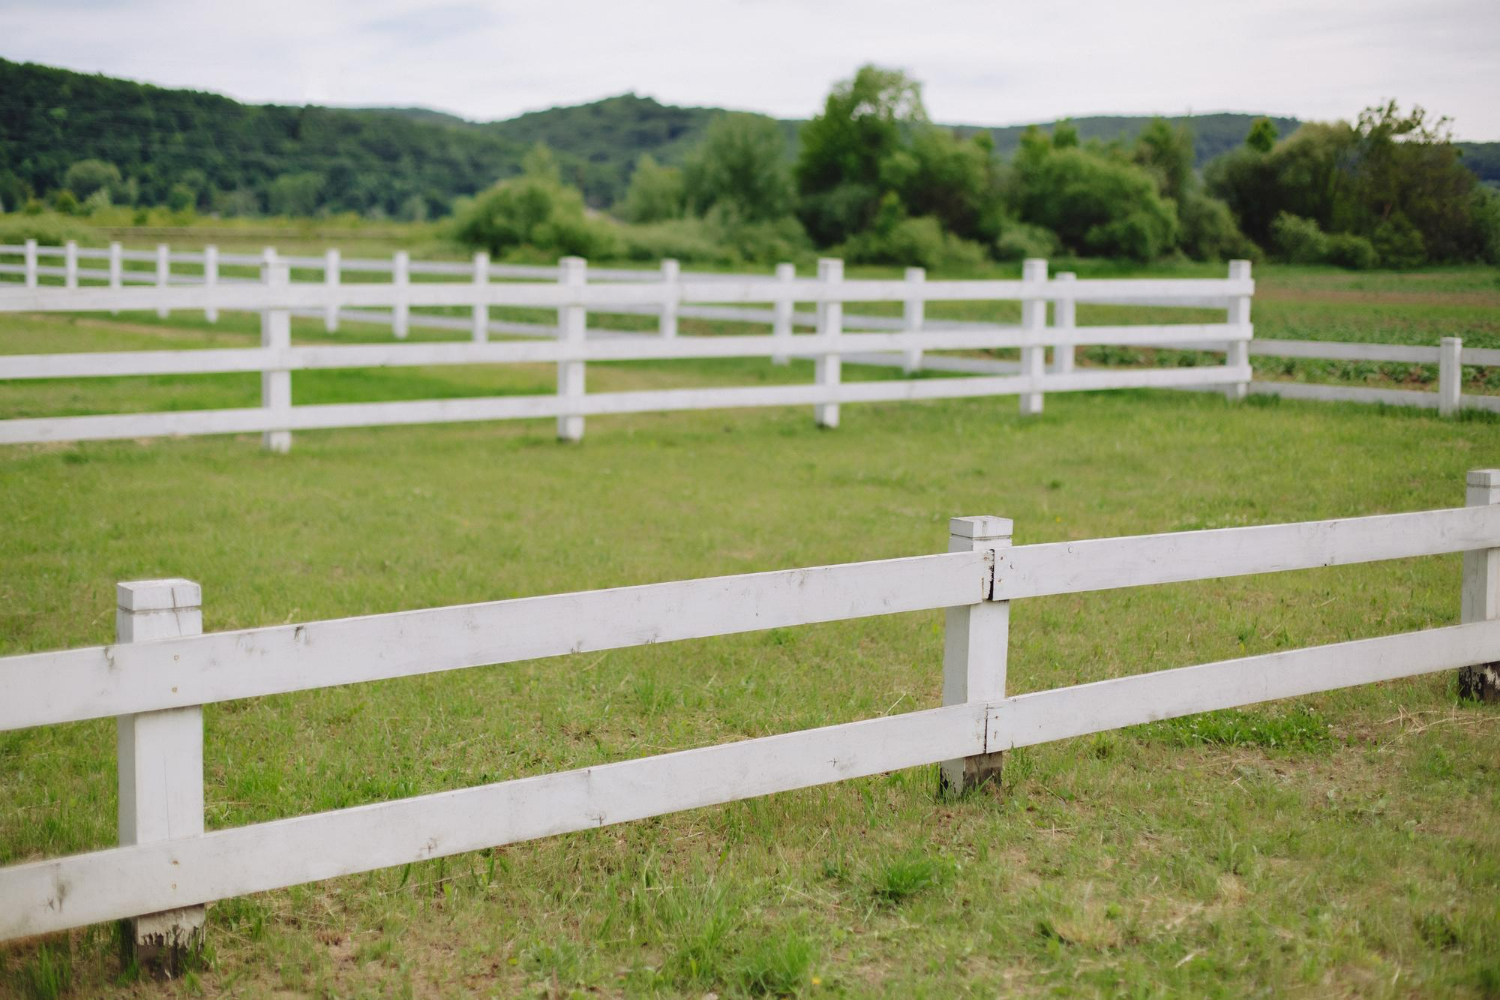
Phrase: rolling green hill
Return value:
(397, 161)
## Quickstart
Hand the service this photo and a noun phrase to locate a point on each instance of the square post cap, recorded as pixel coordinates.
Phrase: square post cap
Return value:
(1484, 477)
(172, 594)
(981, 527)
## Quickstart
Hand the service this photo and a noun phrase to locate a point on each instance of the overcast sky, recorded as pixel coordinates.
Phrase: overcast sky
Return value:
(981, 62)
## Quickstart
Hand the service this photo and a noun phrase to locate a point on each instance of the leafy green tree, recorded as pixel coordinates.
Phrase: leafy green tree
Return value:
(1262, 136)
(1095, 203)
(87, 176)
(1166, 152)
(295, 194)
(656, 193)
(740, 168)
(843, 149)
(953, 181)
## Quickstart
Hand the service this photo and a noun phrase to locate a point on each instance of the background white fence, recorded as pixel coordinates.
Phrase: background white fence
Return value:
(161, 672)
(667, 294)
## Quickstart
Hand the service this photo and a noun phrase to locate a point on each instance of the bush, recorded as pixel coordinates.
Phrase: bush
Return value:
(1297, 240)
(919, 242)
(687, 240)
(1354, 252)
(1209, 231)
(535, 211)
(48, 230)
(1399, 243)
(1018, 241)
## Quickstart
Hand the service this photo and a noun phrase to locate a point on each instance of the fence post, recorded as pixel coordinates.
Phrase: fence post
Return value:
(1065, 312)
(70, 264)
(572, 272)
(1450, 376)
(31, 271)
(671, 271)
(1034, 323)
(975, 643)
(914, 315)
(401, 278)
(829, 365)
(1237, 352)
(163, 273)
(333, 266)
(160, 763)
(276, 334)
(782, 312)
(211, 279)
(1481, 593)
(116, 270)
(481, 331)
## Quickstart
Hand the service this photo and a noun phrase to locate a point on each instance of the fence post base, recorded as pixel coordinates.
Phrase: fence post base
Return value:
(160, 768)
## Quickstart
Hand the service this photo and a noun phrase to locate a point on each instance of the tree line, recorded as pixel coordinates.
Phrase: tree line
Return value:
(874, 181)
(869, 178)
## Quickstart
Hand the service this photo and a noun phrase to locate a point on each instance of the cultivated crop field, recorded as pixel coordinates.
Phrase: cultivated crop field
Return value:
(1339, 845)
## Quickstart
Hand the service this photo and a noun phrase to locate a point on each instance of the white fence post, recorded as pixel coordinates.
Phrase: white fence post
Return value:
(276, 333)
(211, 279)
(975, 642)
(332, 274)
(163, 274)
(1481, 590)
(481, 331)
(1237, 353)
(31, 271)
(160, 761)
(70, 264)
(828, 368)
(116, 270)
(1450, 376)
(915, 314)
(401, 278)
(1034, 322)
(671, 271)
(782, 313)
(1066, 315)
(571, 329)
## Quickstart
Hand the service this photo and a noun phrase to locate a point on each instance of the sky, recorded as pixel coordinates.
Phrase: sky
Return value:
(992, 63)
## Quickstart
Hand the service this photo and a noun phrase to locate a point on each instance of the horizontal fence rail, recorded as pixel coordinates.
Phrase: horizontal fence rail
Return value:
(909, 341)
(161, 669)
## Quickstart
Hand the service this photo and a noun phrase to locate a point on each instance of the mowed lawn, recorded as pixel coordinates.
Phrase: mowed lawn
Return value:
(1340, 845)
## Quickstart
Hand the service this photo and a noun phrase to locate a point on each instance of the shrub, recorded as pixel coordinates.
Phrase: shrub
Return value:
(1354, 252)
(1298, 240)
(1018, 240)
(919, 242)
(1399, 243)
(48, 230)
(535, 211)
(1209, 231)
(655, 194)
(687, 240)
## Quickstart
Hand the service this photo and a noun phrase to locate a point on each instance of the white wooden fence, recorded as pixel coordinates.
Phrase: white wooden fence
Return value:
(668, 294)
(161, 672)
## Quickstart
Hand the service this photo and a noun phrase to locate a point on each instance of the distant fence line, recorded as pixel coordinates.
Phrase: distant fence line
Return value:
(338, 304)
(162, 670)
(667, 294)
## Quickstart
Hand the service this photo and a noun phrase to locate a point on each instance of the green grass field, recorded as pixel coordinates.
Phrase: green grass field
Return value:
(1341, 845)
